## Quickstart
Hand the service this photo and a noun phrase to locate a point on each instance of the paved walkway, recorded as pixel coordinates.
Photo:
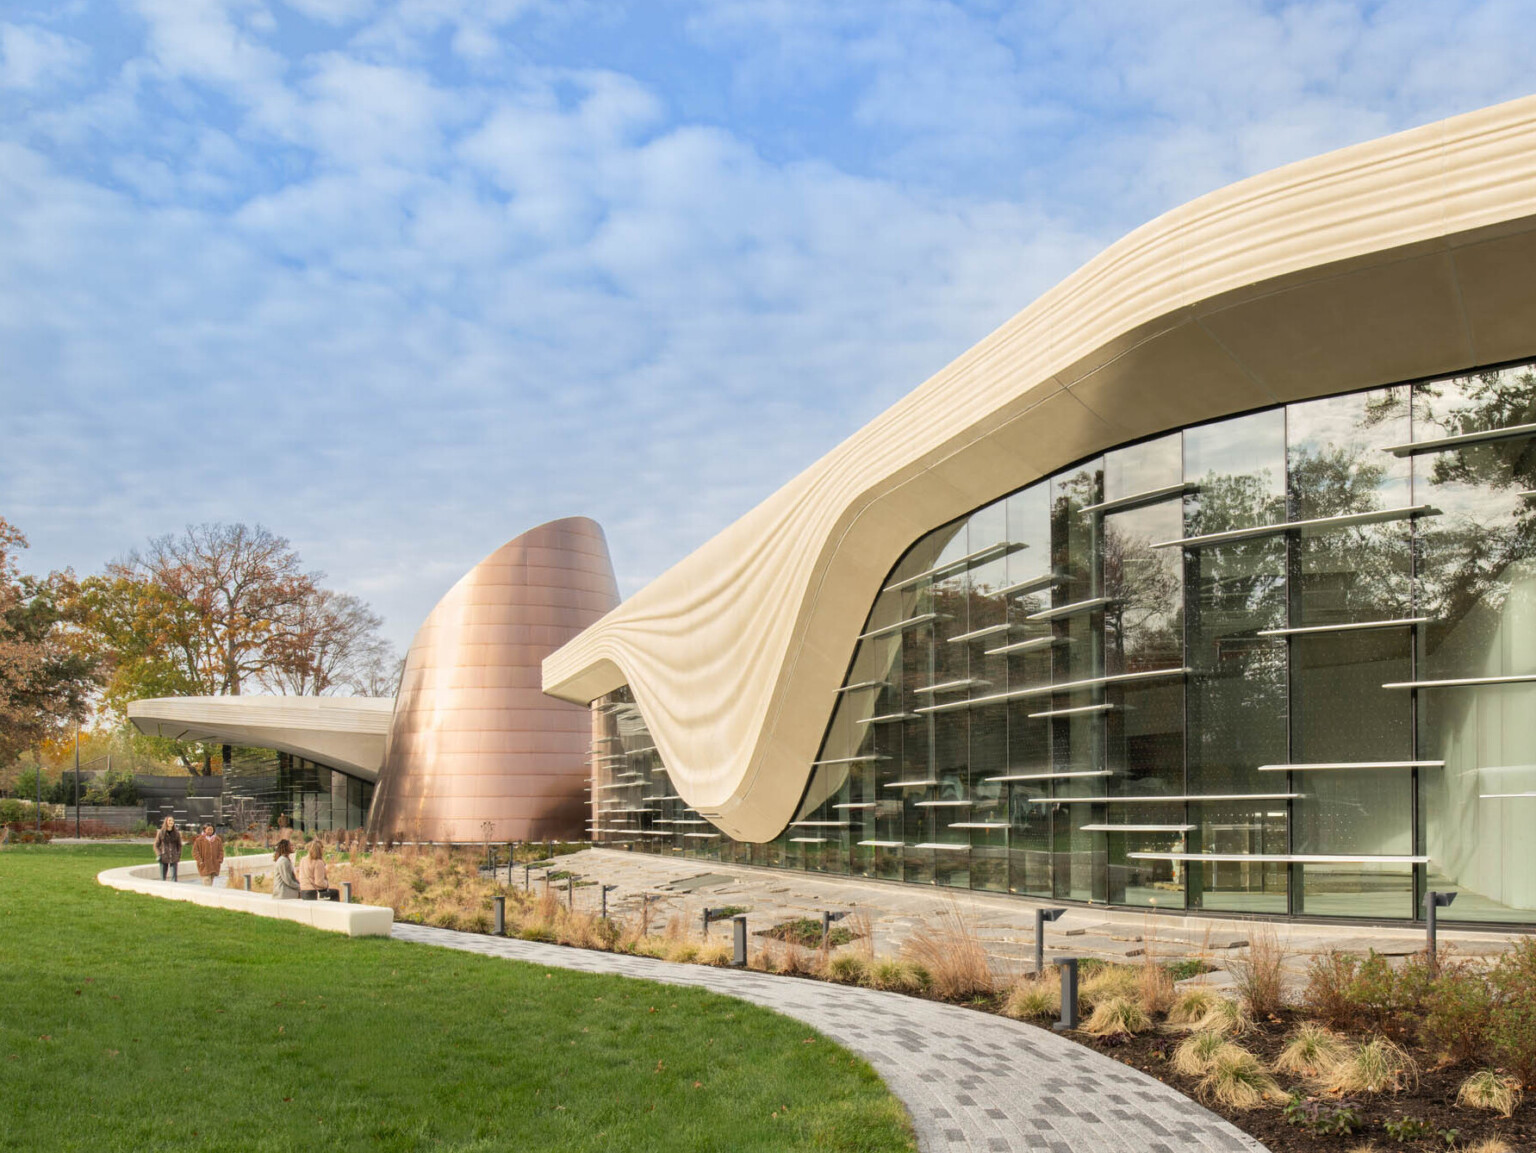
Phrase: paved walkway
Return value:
(971, 1081)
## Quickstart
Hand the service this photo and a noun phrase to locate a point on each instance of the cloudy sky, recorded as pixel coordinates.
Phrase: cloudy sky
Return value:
(401, 278)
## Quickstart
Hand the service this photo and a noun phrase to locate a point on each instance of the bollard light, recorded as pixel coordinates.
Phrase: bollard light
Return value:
(606, 890)
(500, 905)
(1432, 901)
(1068, 966)
(570, 893)
(1041, 917)
(346, 892)
(826, 927)
(739, 925)
(247, 882)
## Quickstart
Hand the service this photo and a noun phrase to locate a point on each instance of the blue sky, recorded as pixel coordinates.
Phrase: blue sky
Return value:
(402, 278)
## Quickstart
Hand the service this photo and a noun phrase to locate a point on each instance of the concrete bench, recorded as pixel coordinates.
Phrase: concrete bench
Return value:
(333, 916)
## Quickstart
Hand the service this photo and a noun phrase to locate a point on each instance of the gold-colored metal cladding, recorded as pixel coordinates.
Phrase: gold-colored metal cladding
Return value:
(475, 748)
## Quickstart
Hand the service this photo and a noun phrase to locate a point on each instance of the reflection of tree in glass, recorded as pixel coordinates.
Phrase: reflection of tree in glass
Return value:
(1072, 534)
(1489, 400)
(1240, 587)
(1354, 573)
(1467, 554)
(1144, 623)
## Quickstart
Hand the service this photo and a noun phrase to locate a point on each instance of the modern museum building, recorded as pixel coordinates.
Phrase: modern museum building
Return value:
(1208, 582)
(1205, 583)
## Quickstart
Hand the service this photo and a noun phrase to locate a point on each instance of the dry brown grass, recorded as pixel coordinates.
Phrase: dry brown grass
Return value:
(1490, 1090)
(1259, 973)
(1378, 1066)
(1312, 1051)
(1491, 1145)
(1226, 1016)
(1192, 1005)
(1117, 1016)
(1108, 983)
(953, 957)
(1237, 1079)
(1033, 1000)
(1196, 1052)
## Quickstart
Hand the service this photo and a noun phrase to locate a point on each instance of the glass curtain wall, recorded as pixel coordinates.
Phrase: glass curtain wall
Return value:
(1282, 663)
(263, 785)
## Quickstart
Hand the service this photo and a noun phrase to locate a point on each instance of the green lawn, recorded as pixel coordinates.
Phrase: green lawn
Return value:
(131, 1023)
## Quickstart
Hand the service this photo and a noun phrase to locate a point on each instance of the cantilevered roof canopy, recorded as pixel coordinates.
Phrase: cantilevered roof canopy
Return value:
(346, 733)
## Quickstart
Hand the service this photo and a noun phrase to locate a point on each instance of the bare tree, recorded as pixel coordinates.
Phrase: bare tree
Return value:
(331, 641)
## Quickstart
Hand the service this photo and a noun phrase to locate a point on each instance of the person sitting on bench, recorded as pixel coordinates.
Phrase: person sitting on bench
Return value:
(312, 879)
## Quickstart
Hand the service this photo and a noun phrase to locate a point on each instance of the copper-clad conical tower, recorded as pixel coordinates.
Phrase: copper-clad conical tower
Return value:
(475, 748)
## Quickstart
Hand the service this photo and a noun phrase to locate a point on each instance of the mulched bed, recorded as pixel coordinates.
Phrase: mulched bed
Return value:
(1433, 1101)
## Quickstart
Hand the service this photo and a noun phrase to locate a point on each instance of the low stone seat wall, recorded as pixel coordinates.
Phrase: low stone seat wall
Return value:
(333, 916)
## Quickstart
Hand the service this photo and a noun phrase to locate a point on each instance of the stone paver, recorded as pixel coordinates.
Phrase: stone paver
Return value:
(971, 1081)
(1004, 923)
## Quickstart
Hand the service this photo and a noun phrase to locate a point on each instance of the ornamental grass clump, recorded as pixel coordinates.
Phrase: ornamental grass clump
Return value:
(1226, 1016)
(893, 974)
(1487, 1089)
(1195, 1053)
(716, 953)
(1192, 1005)
(847, 968)
(1259, 973)
(1237, 1079)
(952, 956)
(1033, 1000)
(1312, 1051)
(1108, 982)
(1378, 1066)
(1117, 1016)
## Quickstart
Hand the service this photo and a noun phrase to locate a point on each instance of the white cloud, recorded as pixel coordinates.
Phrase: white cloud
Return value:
(433, 275)
(33, 57)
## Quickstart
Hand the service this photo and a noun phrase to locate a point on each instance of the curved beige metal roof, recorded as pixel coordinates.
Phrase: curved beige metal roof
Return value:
(346, 733)
(1399, 258)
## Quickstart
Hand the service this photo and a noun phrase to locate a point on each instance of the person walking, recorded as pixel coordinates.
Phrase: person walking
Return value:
(285, 884)
(312, 878)
(208, 852)
(168, 847)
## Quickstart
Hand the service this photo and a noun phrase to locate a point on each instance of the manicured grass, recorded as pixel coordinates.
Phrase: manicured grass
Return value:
(131, 1023)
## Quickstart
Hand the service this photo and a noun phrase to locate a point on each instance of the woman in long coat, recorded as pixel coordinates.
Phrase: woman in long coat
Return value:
(285, 884)
(168, 847)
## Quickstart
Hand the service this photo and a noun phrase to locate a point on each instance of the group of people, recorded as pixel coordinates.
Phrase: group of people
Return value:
(307, 881)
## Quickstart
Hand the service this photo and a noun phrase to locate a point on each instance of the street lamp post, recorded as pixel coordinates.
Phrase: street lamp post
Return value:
(77, 780)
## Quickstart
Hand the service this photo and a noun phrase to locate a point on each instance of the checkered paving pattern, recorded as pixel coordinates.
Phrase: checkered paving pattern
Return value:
(971, 1080)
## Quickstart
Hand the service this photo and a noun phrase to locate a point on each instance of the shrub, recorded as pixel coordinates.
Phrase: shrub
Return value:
(1513, 1031)
(1326, 1120)
(1195, 1053)
(1312, 1051)
(1486, 1089)
(1237, 1079)
(1378, 1066)
(1032, 1000)
(1260, 973)
(1191, 1005)
(1458, 1011)
(1330, 977)
(1377, 994)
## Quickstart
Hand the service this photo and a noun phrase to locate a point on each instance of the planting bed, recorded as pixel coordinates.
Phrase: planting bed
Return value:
(1434, 1101)
(1486, 1016)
